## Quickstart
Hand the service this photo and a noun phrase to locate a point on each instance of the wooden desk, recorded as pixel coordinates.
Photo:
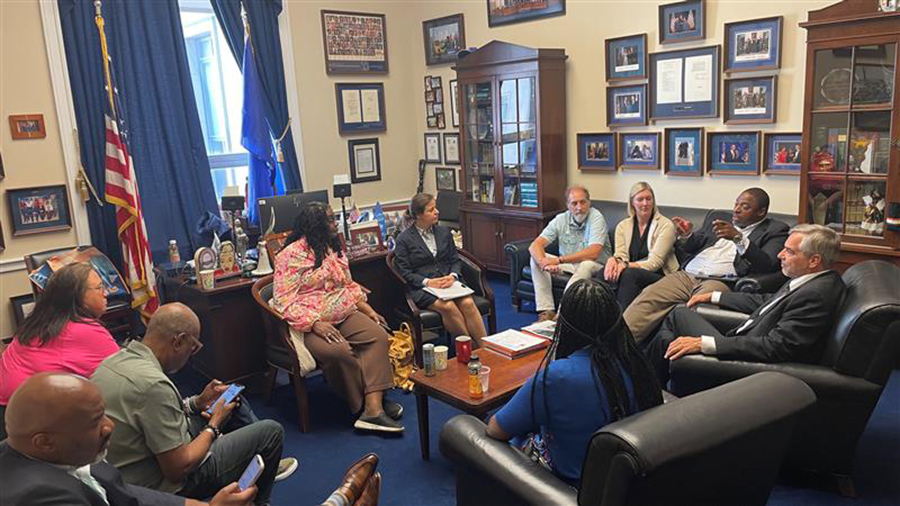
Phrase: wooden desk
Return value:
(452, 387)
(231, 327)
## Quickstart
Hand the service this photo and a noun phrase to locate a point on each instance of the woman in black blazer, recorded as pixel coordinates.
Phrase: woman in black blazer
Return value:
(426, 256)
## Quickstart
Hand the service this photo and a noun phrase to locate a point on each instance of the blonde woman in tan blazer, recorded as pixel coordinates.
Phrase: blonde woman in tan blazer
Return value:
(645, 246)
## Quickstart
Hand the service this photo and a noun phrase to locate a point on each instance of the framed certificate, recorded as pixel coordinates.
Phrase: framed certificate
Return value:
(360, 107)
(365, 160)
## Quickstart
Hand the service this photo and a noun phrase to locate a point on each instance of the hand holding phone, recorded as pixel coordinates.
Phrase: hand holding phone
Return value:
(227, 396)
(251, 473)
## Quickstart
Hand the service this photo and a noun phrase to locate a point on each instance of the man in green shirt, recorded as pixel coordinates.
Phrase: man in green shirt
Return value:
(162, 441)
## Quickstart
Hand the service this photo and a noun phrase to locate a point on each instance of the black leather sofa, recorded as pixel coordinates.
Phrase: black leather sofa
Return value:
(848, 380)
(522, 288)
(722, 446)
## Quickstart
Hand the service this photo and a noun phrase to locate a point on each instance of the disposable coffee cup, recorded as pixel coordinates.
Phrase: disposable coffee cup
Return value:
(440, 357)
(207, 279)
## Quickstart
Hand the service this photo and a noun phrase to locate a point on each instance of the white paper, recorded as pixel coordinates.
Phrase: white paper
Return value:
(365, 160)
(350, 101)
(370, 112)
(668, 81)
(451, 149)
(341, 179)
(544, 329)
(514, 340)
(432, 149)
(454, 291)
(698, 78)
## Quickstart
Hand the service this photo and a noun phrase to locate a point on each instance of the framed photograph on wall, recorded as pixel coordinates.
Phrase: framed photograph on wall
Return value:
(597, 152)
(365, 160)
(444, 37)
(639, 151)
(27, 126)
(504, 13)
(781, 153)
(39, 209)
(2, 170)
(451, 149)
(22, 306)
(433, 148)
(750, 100)
(685, 83)
(626, 105)
(626, 58)
(682, 22)
(735, 153)
(753, 45)
(684, 152)
(445, 178)
(360, 107)
(454, 104)
(355, 42)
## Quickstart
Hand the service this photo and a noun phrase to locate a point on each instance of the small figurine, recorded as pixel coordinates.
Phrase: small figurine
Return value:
(873, 215)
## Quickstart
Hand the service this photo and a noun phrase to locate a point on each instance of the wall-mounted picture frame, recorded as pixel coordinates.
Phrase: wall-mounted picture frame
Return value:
(626, 105)
(444, 38)
(682, 22)
(433, 148)
(22, 306)
(597, 152)
(355, 42)
(27, 126)
(639, 151)
(451, 149)
(360, 107)
(732, 153)
(626, 58)
(436, 82)
(684, 152)
(2, 170)
(445, 178)
(365, 160)
(753, 45)
(685, 83)
(441, 123)
(39, 209)
(454, 104)
(504, 12)
(750, 100)
(2, 240)
(781, 153)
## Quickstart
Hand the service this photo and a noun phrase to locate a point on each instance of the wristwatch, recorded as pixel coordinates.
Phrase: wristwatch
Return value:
(738, 239)
(215, 431)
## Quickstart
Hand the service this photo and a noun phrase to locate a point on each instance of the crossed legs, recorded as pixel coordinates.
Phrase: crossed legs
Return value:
(461, 317)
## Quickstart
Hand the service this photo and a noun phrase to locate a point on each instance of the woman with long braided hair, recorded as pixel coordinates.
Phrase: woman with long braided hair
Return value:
(593, 374)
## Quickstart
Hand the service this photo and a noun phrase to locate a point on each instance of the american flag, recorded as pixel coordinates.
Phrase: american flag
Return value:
(122, 191)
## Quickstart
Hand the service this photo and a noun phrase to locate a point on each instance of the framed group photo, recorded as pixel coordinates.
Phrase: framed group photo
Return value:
(639, 151)
(451, 149)
(626, 58)
(682, 22)
(355, 42)
(597, 152)
(751, 100)
(39, 209)
(684, 152)
(782, 153)
(445, 178)
(626, 105)
(365, 160)
(685, 83)
(360, 107)
(734, 153)
(753, 45)
(444, 38)
(504, 13)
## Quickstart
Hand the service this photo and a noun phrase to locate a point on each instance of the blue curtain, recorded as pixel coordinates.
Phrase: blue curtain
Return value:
(147, 49)
(263, 17)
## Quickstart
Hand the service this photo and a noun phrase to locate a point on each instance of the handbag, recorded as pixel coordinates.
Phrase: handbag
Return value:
(401, 355)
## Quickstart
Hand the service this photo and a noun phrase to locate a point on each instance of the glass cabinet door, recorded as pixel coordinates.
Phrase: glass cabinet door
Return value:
(478, 141)
(518, 124)
(850, 138)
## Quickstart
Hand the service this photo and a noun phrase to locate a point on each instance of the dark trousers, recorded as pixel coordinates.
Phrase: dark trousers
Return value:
(631, 282)
(681, 321)
(243, 437)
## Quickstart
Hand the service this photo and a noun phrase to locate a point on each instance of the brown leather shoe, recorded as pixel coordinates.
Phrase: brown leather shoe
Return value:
(356, 477)
(369, 496)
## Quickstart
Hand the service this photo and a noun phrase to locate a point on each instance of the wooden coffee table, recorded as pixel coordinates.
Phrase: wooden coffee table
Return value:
(452, 387)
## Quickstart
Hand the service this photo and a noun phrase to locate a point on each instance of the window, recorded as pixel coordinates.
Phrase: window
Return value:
(218, 90)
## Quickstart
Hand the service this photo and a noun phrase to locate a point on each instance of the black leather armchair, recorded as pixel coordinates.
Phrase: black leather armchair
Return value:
(733, 436)
(848, 380)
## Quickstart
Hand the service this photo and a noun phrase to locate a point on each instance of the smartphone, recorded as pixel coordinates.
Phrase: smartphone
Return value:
(251, 474)
(227, 396)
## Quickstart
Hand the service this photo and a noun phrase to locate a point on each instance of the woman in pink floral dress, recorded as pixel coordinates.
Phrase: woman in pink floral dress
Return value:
(317, 296)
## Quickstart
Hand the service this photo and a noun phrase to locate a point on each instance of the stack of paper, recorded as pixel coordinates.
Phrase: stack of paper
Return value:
(454, 291)
(513, 343)
(544, 329)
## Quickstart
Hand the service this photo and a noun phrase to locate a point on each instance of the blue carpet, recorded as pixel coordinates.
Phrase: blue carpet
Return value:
(332, 445)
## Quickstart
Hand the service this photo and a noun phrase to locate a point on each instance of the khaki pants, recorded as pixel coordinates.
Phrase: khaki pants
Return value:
(649, 309)
(543, 284)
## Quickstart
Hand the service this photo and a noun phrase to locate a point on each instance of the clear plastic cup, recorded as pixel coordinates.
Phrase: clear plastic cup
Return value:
(485, 378)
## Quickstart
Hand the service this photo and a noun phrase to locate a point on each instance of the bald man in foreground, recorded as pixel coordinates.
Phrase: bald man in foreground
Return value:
(58, 435)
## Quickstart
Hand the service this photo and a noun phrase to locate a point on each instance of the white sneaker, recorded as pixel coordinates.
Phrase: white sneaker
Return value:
(286, 467)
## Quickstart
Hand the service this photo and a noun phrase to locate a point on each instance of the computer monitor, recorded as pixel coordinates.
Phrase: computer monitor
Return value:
(284, 208)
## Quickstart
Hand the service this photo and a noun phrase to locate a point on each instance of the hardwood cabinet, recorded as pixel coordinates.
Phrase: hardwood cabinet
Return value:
(850, 173)
(513, 132)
